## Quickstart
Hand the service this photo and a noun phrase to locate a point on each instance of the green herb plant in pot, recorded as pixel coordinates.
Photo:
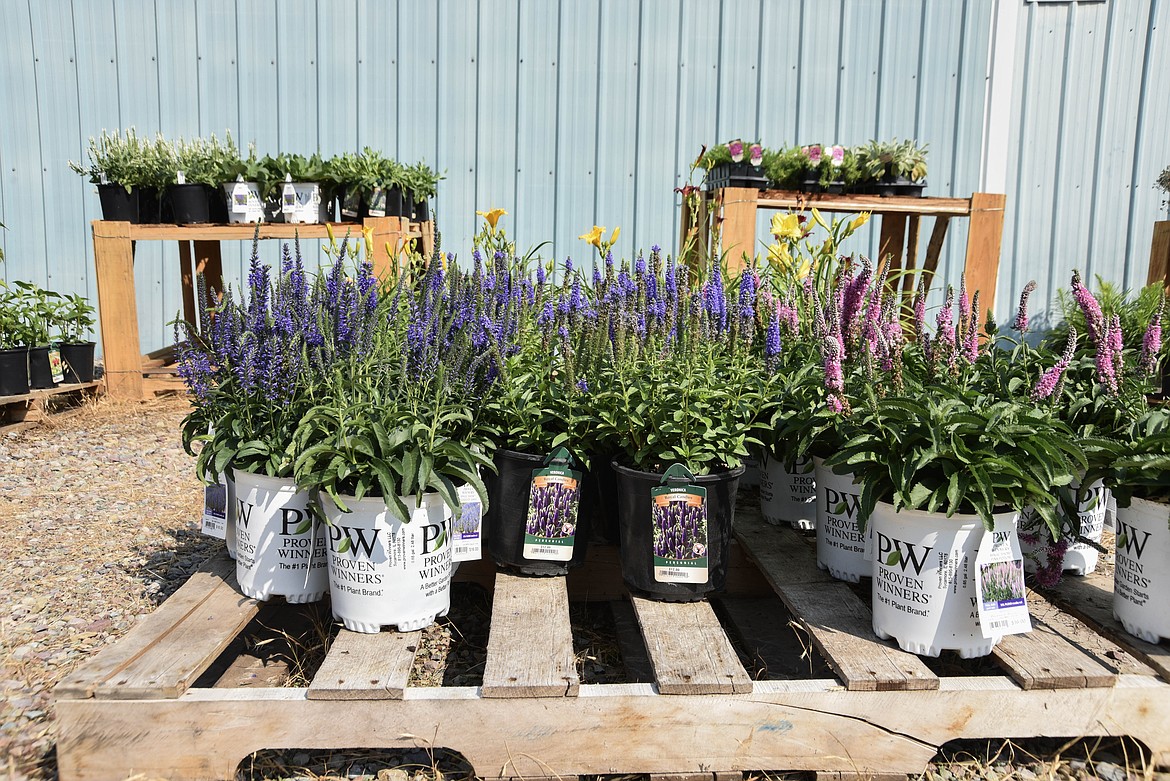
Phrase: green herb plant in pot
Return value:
(116, 167)
(14, 342)
(75, 322)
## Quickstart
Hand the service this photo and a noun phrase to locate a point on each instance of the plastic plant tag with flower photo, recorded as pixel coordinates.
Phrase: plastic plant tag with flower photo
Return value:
(240, 195)
(999, 584)
(214, 522)
(554, 497)
(679, 513)
(288, 198)
(466, 544)
(56, 365)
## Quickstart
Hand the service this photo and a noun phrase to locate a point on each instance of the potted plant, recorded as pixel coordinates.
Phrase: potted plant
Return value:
(387, 444)
(75, 321)
(247, 188)
(785, 167)
(41, 309)
(116, 167)
(14, 341)
(194, 189)
(300, 183)
(157, 171)
(252, 372)
(1139, 477)
(944, 472)
(735, 164)
(677, 398)
(422, 183)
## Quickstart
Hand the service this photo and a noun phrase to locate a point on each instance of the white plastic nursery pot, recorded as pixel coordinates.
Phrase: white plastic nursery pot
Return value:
(230, 534)
(303, 203)
(1141, 575)
(272, 558)
(788, 497)
(244, 203)
(842, 548)
(924, 596)
(393, 573)
(1080, 558)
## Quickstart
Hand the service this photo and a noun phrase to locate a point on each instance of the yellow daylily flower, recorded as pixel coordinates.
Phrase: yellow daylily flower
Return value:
(786, 226)
(594, 236)
(780, 258)
(492, 217)
(858, 221)
(368, 236)
(613, 238)
(329, 230)
(818, 219)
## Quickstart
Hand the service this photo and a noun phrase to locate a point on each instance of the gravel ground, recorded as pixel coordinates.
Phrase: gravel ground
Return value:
(98, 525)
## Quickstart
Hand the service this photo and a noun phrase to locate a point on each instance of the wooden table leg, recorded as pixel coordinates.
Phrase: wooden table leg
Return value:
(187, 276)
(983, 244)
(911, 254)
(209, 264)
(892, 241)
(113, 257)
(428, 238)
(383, 231)
(1160, 254)
(739, 226)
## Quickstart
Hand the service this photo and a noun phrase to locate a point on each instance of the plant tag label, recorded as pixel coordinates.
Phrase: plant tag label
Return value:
(180, 178)
(377, 206)
(240, 194)
(999, 584)
(679, 515)
(102, 178)
(351, 203)
(466, 524)
(56, 365)
(554, 497)
(215, 510)
(288, 199)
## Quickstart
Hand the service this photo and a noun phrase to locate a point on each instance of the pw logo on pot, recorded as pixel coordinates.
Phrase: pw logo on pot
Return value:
(896, 553)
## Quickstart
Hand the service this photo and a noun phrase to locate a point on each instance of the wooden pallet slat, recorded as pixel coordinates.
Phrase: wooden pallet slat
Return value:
(366, 666)
(530, 644)
(780, 553)
(1090, 597)
(216, 574)
(1043, 659)
(690, 652)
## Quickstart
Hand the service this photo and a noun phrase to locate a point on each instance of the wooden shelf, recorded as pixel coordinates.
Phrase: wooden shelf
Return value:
(246, 230)
(44, 393)
(898, 204)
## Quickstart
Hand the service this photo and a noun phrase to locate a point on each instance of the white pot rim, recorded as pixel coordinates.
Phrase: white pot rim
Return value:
(957, 521)
(377, 503)
(261, 481)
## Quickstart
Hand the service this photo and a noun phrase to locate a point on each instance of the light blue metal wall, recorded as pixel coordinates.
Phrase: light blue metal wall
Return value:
(1089, 136)
(577, 112)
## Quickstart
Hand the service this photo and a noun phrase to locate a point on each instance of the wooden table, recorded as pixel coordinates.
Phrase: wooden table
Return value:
(199, 253)
(1160, 254)
(899, 218)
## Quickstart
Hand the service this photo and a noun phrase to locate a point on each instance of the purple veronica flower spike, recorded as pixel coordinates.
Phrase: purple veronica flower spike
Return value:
(1021, 323)
(1152, 341)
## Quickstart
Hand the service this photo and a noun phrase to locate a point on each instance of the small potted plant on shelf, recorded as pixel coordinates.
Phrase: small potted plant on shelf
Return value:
(41, 308)
(785, 167)
(199, 173)
(421, 183)
(247, 188)
(75, 322)
(300, 183)
(14, 341)
(893, 167)
(735, 164)
(369, 183)
(116, 167)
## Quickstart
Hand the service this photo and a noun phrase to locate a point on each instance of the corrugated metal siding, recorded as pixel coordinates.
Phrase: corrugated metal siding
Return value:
(1088, 140)
(578, 112)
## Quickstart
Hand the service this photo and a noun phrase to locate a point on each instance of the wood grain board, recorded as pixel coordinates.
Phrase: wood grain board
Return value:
(530, 645)
(366, 666)
(688, 648)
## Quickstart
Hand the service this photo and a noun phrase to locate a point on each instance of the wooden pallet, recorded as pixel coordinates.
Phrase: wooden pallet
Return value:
(28, 409)
(136, 708)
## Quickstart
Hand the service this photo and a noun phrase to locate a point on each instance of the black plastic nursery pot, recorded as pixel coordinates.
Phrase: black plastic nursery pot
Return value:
(191, 204)
(149, 205)
(78, 361)
(117, 204)
(637, 532)
(601, 498)
(507, 516)
(399, 202)
(422, 211)
(40, 372)
(14, 371)
(740, 174)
